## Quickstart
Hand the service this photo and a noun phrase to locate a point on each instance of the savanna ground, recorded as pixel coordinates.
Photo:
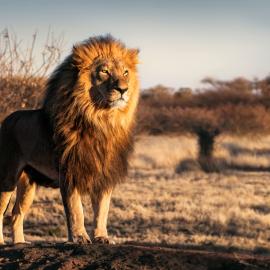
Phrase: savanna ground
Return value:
(168, 202)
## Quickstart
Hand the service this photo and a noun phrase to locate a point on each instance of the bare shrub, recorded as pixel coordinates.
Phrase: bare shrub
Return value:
(22, 76)
(19, 61)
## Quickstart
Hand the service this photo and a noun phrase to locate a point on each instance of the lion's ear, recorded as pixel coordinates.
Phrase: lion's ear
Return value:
(132, 57)
(81, 56)
(77, 56)
(134, 52)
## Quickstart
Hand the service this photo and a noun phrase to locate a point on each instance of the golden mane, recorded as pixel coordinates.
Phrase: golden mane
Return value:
(92, 143)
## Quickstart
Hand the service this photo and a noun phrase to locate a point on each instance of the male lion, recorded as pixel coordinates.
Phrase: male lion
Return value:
(79, 140)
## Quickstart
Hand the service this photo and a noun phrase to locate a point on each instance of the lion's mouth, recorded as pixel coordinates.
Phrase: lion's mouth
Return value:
(119, 103)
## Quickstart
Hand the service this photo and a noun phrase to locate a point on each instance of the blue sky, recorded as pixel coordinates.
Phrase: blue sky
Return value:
(181, 42)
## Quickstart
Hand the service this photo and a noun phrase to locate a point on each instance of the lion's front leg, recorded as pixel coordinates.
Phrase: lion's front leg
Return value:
(74, 214)
(101, 205)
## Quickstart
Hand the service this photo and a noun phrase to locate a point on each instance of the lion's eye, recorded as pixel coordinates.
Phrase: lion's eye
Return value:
(105, 71)
(126, 73)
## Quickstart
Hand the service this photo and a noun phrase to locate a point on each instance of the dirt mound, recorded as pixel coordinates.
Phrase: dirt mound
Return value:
(71, 256)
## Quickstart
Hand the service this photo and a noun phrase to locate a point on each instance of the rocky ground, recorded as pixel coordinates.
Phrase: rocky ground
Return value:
(70, 256)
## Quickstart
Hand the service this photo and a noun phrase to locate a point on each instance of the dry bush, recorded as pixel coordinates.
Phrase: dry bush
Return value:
(239, 84)
(17, 93)
(22, 75)
(264, 86)
(20, 61)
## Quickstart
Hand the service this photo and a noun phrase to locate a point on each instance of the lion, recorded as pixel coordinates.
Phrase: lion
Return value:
(79, 140)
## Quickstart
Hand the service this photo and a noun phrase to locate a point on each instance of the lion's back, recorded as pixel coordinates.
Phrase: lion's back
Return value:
(25, 124)
(26, 131)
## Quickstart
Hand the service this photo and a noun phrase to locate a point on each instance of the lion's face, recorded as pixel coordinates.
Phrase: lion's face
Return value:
(110, 83)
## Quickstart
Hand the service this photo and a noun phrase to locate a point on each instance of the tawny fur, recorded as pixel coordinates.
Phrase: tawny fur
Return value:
(93, 142)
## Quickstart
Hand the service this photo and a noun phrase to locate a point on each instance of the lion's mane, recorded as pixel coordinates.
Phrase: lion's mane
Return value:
(92, 143)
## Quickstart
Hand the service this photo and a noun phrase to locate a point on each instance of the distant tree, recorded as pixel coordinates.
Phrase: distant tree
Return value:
(239, 84)
(207, 126)
(264, 86)
(158, 91)
(183, 92)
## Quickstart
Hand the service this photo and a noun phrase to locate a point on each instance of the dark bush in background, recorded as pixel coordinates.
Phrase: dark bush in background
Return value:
(238, 107)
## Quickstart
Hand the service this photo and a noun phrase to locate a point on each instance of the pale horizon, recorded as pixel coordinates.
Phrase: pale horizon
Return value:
(180, 42)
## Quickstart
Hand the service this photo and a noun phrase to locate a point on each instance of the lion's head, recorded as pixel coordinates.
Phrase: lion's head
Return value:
(100, 76)
(91, 99)
(109, 71)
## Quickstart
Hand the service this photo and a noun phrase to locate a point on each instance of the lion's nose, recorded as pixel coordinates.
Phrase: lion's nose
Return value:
(121, 90)
(121, 87)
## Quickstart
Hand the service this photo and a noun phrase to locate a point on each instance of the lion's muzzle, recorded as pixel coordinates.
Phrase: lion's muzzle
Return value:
(119, 95)
(121, 90)
(119, 103)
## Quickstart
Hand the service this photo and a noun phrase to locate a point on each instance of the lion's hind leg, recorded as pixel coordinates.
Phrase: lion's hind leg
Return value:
(4, 201)
(24, 199)
(7, 186)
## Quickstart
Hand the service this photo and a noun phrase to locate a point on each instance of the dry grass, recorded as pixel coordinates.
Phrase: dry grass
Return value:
(159, 206)
(245, 153)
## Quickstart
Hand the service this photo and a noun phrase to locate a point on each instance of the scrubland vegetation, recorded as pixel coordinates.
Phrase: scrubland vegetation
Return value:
(199, 174)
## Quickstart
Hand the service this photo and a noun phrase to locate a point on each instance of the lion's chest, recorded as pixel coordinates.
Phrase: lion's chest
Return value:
(100, 152)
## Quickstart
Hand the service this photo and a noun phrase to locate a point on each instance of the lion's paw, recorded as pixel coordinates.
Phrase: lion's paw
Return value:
(22, 243)
(81, 239)
(103, 240)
